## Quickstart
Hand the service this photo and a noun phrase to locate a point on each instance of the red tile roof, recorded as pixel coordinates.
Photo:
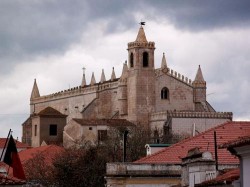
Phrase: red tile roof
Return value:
(237, 142)
(228, 176)
(49, 152)
(205, 141)
(18, 144)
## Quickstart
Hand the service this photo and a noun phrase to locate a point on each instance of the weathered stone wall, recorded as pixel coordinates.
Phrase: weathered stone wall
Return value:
(107, 103)
(70, 104)
(44, 131)
(27, 131)
(35, 138)
(186, 125)
(140, 175)
(122, 98)
(180, 94)
(183, 122)
(72, 134)
(141, 85)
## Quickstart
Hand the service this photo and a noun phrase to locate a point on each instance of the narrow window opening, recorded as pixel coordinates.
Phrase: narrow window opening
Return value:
(53, 130)
(164, 93)
(145, 59)
(131, 60)
(35, 130)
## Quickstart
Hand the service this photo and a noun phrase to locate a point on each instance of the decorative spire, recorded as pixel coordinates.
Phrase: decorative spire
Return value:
(92, 82)
(113, 77)
(83, 77)
(163, 61)
(35, 92)
(103, 78)
(124, 71)
(199, 76)
(141, 37)
(199, 80)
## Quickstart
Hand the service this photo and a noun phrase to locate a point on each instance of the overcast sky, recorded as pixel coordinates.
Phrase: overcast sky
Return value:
(51, 40)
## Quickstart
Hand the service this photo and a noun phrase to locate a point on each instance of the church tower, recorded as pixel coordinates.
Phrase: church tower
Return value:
(200, 88)
(141, 79)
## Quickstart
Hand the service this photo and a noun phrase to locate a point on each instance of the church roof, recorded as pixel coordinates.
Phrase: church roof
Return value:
(83, 78)
(141, 37)
(113, 77)
(199, 76)
(92, 82)
(163, 61)
(49, 111)
(205, 142)
(103, 78)
(106, 122)
(35, 92)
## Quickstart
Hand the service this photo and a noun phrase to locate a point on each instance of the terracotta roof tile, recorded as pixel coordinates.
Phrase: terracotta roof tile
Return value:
(225, 132)
(49, 152)
(240, 141)
(18, 144)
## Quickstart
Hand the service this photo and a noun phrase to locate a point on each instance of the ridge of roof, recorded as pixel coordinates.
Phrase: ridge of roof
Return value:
(18, 143)
(163, 159)
(47, 149)
(49, 111)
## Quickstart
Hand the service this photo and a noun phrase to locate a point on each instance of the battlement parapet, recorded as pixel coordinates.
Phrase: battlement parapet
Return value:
(190, 114)
(174, 74)
(141, 45)
(76, 91)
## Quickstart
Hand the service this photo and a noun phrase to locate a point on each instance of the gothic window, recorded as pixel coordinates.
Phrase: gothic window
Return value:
(131, 60)
(53, 130)
(164, 93)
(145, 59)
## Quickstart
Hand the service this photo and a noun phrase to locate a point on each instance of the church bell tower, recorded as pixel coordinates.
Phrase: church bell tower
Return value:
(141, 79)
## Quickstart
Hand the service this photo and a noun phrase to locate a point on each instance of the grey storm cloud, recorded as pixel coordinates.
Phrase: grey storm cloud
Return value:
(41, 27)
(197, 15)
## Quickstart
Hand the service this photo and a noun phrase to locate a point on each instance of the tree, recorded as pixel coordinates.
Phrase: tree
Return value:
(81, 167)
(38, 171)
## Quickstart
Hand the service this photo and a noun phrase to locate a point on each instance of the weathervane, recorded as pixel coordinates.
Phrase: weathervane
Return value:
(142, 23)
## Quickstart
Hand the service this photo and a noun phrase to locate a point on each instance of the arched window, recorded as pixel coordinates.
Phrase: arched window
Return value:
(164, 93)
(131, 60)
(145, 59)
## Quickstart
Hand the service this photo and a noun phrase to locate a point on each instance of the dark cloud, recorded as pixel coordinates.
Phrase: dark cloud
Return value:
(32, 28)
(196, 15)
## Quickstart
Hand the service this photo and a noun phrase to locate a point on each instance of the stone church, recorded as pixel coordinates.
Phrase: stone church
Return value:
(156, 98)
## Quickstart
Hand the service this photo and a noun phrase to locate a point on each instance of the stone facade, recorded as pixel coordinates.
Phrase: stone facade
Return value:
(138, 175)
(144, 95)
